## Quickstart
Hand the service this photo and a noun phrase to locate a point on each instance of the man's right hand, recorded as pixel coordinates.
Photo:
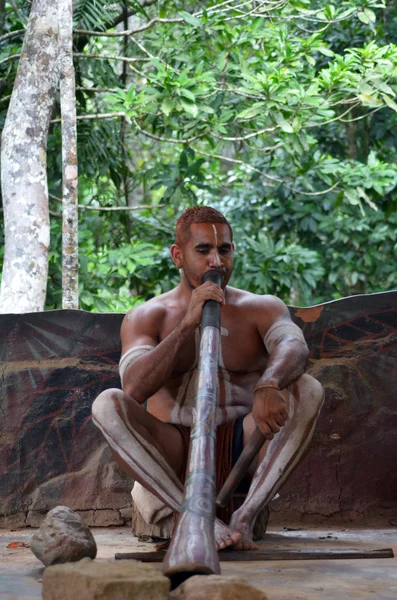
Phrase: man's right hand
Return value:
(269, 411)
(206, 291)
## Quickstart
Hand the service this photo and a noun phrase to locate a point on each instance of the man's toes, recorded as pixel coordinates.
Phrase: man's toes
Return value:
(235, 537)
(248, 545)
(238, 546)
(221, 544)
(229, 540)
(243, 544)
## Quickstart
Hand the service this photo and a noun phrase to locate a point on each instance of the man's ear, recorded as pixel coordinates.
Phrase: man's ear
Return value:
(176, 254)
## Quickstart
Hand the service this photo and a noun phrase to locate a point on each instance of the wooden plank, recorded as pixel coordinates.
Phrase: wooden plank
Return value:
(260, 555)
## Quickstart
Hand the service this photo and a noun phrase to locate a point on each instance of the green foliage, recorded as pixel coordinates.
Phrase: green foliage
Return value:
(285, 269)
(112, 279)
(282, 116)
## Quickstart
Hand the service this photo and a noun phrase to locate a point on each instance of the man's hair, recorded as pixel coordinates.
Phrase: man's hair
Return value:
(198, 214)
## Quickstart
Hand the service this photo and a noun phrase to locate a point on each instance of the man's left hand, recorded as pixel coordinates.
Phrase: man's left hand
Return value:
(269, 411)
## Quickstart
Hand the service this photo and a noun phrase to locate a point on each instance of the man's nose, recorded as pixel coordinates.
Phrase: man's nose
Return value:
(214, 258)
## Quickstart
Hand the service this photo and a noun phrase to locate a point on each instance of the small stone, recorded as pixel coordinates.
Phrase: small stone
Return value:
(104, 580)
(63, 537)
(216, 587)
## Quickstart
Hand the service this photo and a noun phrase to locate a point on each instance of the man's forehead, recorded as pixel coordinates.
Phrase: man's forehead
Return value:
(210, 233)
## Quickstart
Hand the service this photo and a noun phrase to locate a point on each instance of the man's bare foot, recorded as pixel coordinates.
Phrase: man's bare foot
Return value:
(246, 533)
(225, 536)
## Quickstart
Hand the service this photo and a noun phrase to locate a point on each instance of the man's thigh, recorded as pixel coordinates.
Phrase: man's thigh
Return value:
(165, 437)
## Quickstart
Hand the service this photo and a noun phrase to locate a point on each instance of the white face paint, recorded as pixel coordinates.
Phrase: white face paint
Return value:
(216, 240)
(215, 235)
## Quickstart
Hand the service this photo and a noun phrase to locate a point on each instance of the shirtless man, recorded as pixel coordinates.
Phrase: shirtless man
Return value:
(261, 378)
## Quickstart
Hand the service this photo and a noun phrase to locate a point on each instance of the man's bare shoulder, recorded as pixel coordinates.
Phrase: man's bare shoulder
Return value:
(142, 324)
(244, 299)
(155, 307)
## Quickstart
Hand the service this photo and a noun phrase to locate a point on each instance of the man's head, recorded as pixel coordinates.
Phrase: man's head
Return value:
(198, 214)
(204, 242)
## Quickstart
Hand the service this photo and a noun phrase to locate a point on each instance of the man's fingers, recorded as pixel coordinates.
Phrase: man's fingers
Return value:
(284, 413)
(209, 291)
(280, 419)
(265, 429)
(273, 425)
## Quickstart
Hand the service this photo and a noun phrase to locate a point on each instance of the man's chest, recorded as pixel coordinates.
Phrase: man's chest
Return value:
(242, 350)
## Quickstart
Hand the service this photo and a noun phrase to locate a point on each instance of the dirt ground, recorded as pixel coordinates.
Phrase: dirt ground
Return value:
(362, 579)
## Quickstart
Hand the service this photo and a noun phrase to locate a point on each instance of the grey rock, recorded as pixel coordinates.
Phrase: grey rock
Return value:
(63, 537)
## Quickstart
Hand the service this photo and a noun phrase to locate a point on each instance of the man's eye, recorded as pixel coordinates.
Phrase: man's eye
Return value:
(224, 250)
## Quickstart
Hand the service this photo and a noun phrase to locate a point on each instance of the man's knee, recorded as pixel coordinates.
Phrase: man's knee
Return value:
(311, 392)
(105, 405)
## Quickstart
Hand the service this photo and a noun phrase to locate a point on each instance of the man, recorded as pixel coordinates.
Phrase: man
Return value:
(261, 379)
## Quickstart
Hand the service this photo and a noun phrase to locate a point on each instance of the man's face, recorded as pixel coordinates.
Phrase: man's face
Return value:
(208, 247)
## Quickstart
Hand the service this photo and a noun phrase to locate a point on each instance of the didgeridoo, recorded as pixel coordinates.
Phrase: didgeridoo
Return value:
(193, 549)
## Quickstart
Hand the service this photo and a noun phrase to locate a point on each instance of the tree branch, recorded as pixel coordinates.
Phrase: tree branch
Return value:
(12, 34)
(266, 175)
(106, 57)
(108, 208)
(12, 57)
(127, 32)
(245, 137)
(95, 116)
(169, 140)
(94, 90)
(111, 24)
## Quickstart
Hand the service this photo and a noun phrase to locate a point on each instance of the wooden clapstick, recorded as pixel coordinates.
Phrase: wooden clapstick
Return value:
(240, 469)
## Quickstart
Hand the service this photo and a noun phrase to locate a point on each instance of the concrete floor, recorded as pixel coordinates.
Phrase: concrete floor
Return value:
(364, 579)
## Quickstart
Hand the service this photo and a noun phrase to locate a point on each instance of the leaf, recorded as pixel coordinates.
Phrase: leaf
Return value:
(329, 11)
(370, 14)
(189, 107)
(254, 110)
(368, 100)
(365, 197)
(87, 298)
(167, 106)
(326, 51)
(189, 18)
(18, 545)
(385, 88)
(366, 16)
(207, 109)
(389, 101)
(187, 94)
(352, 196)
(283, 124)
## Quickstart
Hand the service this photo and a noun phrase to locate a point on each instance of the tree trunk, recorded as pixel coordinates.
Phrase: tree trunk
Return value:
(351, 130)
(23, 166)
(2, 15)
(70, 295)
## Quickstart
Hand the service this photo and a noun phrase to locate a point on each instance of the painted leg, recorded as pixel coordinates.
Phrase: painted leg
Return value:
(139, 442)
(281, 455)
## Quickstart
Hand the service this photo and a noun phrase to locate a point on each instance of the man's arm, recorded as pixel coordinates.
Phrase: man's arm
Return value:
(141, 326)
(288, 354)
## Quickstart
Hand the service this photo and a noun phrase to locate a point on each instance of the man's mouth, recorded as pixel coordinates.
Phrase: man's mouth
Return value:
(221, 272)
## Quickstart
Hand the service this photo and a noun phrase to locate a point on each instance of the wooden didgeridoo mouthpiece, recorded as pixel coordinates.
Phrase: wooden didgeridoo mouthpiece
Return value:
(193, 548)
(240, 469)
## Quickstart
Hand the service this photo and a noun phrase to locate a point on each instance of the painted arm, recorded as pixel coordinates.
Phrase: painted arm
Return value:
(141, 326)
(288, 354)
